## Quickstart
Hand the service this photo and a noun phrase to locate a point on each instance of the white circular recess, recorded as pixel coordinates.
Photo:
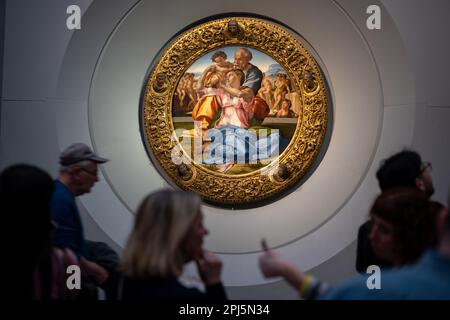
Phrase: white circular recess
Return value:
(309, 225)
(356, 98)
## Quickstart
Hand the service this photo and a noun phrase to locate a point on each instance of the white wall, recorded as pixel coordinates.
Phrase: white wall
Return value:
(52, 93)
(424, 26)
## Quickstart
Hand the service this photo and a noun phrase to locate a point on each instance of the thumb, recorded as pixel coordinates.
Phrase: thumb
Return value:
(264, 245)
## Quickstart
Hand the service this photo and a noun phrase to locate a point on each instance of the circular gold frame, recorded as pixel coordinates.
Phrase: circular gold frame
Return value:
(297, 158)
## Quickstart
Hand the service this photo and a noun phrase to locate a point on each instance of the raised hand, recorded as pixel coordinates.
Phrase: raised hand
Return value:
(210, 268)
(272, 265)
(270, 262)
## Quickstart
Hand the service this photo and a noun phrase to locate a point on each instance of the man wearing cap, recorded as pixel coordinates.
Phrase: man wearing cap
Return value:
(77, 174)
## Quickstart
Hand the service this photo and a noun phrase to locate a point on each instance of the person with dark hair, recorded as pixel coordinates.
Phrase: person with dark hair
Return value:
(221, 63)
(406, 169)
(403, 169)
(428, 279)
(168, 232)
(218, 54)
(35, 270)
(404, 226)
(404, 223)
(214, 75)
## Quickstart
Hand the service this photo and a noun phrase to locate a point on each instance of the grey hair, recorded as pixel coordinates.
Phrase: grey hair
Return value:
(70, 167)
(247, 52)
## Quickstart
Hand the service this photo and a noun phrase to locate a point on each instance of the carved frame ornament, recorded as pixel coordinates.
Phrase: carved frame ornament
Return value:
(282, 172)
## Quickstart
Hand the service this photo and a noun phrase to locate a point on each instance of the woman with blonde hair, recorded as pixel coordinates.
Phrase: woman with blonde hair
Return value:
(168, 232)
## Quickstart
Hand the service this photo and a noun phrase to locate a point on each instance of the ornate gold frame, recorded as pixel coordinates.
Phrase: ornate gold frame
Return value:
(292, 164)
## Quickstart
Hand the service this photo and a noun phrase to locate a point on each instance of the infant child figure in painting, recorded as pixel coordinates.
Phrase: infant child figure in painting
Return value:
(221, 64)
(215, 74)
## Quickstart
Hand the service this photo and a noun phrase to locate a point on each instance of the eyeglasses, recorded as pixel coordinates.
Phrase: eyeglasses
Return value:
(425, 166)
(94, 174)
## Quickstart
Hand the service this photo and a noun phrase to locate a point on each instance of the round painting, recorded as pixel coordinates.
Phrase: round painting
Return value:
(235, 109)
(240, 102)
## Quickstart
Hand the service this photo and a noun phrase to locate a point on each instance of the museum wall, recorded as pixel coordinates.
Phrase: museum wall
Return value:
(389, 89)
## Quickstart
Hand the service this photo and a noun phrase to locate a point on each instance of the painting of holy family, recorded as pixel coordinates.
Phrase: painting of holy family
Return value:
(238, 106)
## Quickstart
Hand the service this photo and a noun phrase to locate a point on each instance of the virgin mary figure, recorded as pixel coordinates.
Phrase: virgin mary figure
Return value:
(225, 112)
